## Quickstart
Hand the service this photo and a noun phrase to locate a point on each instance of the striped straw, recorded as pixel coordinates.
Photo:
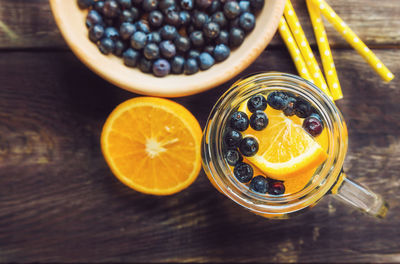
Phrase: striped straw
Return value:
(325, 51)
(294, 51)
(304, 47)
(354, 40)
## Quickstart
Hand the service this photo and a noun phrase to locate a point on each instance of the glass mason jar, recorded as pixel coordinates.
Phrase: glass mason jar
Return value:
(329, 178)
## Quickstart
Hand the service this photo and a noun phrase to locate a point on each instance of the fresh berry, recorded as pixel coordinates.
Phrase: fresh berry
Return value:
(187, 4)
(106, 46)
(214, 7)
(191, 66)
(259, 184)
(257, 102)
(219, 18)
(248, 146)
(155, 18)
(93, 18)
(276, 188)
(193, 54)
(236, 37)
(199, 19)
(223, 38)
(302, 108)
(313, 126)
(318, 117)
(167, 49)
(232, 138)
(145, 65)
(83, 4)
(256, 5)
(233, 156)
(173, 18)
(120, 47)
(209, 49)
(258, 120)
(164, 4)
(182, 43)
(247, 21)
(126, 30)
(111, 9)
(276, 100)
(112, 33)
(197, 38)
(231, 9)
(151, 51)
(125, 3)
(131, 57)
(184, 17)
(221, 52)
(168, 32)
(129, 15)
(289, 108)
(138, 40)
(153, 37)
(177, 64)
(96, 33)
(98, 6)
(206, 61)
(142, 26)
(204, 3)
(211, 30)
(149, 5)
(243, 172)
(244, 6)
(239, 121)
(161, 68)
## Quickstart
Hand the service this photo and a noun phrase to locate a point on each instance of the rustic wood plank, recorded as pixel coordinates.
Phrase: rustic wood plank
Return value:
(60, 203)
(29, 23)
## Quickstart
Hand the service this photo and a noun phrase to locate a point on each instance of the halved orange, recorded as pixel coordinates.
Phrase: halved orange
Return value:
(152, 145)
(285, 148)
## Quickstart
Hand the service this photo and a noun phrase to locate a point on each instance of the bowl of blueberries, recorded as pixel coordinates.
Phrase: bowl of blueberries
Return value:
(167, 48)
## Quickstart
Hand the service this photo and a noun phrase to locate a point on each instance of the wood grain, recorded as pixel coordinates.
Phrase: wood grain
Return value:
(29, 23)
(60, 203)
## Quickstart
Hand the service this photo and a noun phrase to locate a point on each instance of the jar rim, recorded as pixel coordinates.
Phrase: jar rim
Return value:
(216, 167)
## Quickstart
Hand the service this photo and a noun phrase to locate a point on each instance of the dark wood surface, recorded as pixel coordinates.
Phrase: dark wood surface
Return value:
(60, 203)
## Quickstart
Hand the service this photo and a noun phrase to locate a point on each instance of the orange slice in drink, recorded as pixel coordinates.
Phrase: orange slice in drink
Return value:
(152, 145)
(285, 148)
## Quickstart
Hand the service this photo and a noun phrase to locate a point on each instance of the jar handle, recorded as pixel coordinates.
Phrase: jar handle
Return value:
(359, 196)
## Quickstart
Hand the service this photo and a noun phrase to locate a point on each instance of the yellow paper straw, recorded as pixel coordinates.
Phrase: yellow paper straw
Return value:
(325, 51)
(354, 40)
(294, 51)
(304, 47)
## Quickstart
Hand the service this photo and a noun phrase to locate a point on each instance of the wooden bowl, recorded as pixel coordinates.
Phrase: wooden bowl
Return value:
(71, 22)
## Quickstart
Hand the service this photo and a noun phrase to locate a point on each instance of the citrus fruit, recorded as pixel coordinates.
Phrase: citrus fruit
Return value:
(152, 145)
(285, 148)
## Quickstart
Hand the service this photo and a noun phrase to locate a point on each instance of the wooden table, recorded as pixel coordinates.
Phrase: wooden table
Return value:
(60, 203)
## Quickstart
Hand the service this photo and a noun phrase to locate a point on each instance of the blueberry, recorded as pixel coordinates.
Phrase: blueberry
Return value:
(142, 26)
(221, 52)
(128, 16)
(288, 108)
(145, 65)
(125, 3)
(248, 146)
(302, 108)
(83, 4)
(243, 172)
(239, 121)
(106, 46)
(199, 19)
(96, 33)
(276, 188)
(203, 4)
(191, 66)
(258, 120)
(219, 18)
(137, 2)
(236, 37)
(313, 126)
(211, 30)
(154, 37)
(98, 6)
(276, 100)
(234, 23)
(173, 18)
(164, 4)
(138, 40)
(155, 18)
(256, 5)
(209, 49)
(93, 18)
(112, 33)
(316, 115)
(149, 5)
(232, 138)
(233, 156)
(257, 102)
(131, 57)
(193, 54)
(151, 51)
(161, 68)
(259, 184)
(120, 47)
(244, 6)
(167, 49)
(168, 32)
(197, 39)
(231, 9)
(111, 8)
(187, 4)
(223, 38)
(247, 21)
(182, 43)
(214, 7)
(184, 17)
(126, 30)
(177, 64)
(206, 61)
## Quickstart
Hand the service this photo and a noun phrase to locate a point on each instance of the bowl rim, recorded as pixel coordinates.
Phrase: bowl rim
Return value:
(152, 88)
